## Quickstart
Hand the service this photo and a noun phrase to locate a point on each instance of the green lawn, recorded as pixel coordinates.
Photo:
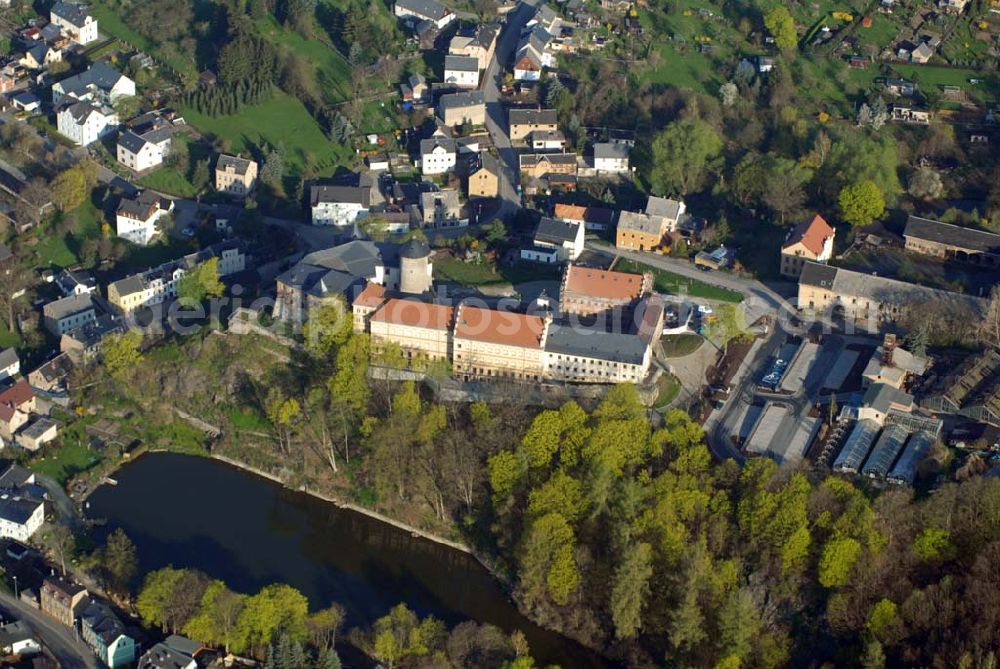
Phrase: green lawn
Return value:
(668, 282)
(169, 180)
(931, 78)
(8, 338)
(63, 462)
(112, 24)
(677, 346)
(280, 120)
(484, 274)
(669, 387)
(56, 250)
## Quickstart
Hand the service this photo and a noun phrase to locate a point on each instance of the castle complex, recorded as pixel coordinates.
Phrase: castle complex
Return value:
(603, 332)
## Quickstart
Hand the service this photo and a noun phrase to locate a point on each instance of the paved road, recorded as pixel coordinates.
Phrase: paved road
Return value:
(71, 652)
(496, 114)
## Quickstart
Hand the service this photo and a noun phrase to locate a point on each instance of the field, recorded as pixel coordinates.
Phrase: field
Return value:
(110, 23)
(8, 338)
(668, 282)
(65, 461)
(333, 73)
(280, 120)
(55, 250)
(933, 79)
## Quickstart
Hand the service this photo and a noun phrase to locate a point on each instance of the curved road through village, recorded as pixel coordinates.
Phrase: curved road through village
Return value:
(70, 651)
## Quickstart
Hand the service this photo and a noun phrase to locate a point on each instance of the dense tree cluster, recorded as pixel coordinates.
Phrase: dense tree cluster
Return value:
(618, 533)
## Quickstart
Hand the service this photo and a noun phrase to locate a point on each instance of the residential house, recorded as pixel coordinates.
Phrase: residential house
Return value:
(75, 21)
(16, 405)
(40, 55)
(952, 242)
(489, 343)
(441, 209)
(899, 87)
(671, 211)
(141, 153)
(83, 123)
(523, 122)
(611, 158)
(528, 64)
(461, 71)
(345, 201)
(105, 634)
(235, 175)
(26, 101)
(484, 177)
(479, 43)
(51, 375)
(639, 231)
(555, 241)
(161, 656)
(414, 88)
(377, 162)
(69, 313)
(462, 108)
(63, 599)
(922, 53)
(137, 216)
(22, 506)
(811, 240)
(83, 344)
(424, 10)
(10, 364)
(875, 300)
(538, 165)
(39, 433)
(585, 291)
(953, 6)
(907, 114)
(100, 83)
(16, 638)
(75, 282)
(880, 399)
(438, 155)
(546, 140)
(159, 284)
(593, 218)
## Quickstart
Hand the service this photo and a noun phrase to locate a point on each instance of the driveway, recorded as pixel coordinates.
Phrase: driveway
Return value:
(61, 641)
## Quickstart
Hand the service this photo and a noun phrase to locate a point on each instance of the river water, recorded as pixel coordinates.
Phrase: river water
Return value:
(247, 531)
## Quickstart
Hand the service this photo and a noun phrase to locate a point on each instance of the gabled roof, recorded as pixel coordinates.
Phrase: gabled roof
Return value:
(71, 12)
(610, 150)
(372, 296)
(81, 111)
(430, 9)
(573, 212)
(414, 313)
(461, 63)
(952, 235)
(533, 117)
(100, 75)
(552, 231)
(67, 306)
(640, 222)
(238, 164)
(130, 141)
(466, 99)
(8, 357)
(499, 327)
(664, 206)
(811, 233)
(13, 398)
(573, 339)
(602, 284)
(429, 145)
(162, 656)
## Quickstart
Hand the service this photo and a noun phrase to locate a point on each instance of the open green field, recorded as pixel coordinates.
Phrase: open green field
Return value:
(280, 120)
(7, 338)
(333, 73)
(668, 282)
(932, 78)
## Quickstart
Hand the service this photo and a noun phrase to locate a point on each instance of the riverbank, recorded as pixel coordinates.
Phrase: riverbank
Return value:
(249, 530)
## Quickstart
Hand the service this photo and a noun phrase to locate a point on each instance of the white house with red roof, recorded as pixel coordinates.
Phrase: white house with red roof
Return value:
(812, 240)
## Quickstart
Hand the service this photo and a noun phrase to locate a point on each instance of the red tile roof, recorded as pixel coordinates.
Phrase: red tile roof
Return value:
(413, 313)
(575, 212)
(12, 398)
(603, 284)
(499, 327)
(372, 296)
(811, 234)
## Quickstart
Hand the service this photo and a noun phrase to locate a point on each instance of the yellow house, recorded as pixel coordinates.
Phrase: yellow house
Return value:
(484, 180)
